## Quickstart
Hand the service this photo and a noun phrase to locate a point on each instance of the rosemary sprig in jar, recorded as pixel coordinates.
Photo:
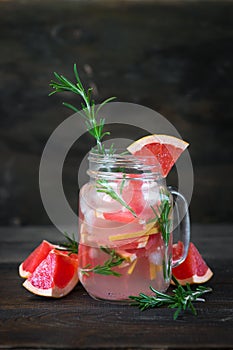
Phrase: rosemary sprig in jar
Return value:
(162, 219)
(107, 268)
(103, 186)
(70, 245)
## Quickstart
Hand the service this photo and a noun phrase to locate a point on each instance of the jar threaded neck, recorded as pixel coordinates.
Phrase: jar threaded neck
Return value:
(120, 165)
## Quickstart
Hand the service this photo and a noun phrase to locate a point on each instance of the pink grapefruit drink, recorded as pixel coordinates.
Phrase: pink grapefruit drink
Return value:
(125, 243)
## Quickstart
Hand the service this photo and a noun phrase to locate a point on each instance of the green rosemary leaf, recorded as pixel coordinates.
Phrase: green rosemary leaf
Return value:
(182, 299)
(89, 92)
(161, 295)
(52, 92)
(84, 108)
(107, 268)
(111, 149)
(122, 184)
(105, 133)
(177, 313)
(68, 105)
(77, 75)
(175, 280)
(103, 186)
(95, 127)
(57, 76)
(104, 103)
(192, 308)
(162, 219)
(71, 245)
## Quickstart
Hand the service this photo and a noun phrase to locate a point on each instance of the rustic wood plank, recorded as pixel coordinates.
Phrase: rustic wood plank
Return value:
(79, 322)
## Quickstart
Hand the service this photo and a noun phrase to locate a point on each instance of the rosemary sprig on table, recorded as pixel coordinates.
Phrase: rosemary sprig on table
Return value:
(89, 111)
(107, 268)
(103, 186)
(181, 300)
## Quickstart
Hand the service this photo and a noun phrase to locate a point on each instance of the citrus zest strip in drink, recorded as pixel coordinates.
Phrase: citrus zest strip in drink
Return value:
(151, 229)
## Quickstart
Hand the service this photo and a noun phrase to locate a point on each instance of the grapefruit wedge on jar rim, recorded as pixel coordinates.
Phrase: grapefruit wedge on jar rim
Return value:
(163, 150)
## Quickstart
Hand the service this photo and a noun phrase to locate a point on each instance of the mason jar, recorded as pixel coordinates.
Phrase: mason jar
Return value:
(125, 227)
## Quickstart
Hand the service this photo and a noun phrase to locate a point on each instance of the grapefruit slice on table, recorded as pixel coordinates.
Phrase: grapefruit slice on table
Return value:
(55, 276)
(164, 149)
(193, 269)
(35, 258)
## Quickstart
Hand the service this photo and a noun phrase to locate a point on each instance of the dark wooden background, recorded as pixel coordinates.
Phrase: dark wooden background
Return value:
(174, 57)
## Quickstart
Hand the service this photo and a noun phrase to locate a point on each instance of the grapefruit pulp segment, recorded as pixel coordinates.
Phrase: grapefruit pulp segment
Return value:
(136, 202)
(193, 269)
(27, 267)
(55, 276)
(119, 216)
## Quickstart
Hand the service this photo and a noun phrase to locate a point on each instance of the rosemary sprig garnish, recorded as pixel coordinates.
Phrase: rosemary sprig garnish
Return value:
(89, 111)
(71, 245)
(106, 269)
(181, 300)
(163, 222)
(162, 219)
(103, 186)
(122, 184)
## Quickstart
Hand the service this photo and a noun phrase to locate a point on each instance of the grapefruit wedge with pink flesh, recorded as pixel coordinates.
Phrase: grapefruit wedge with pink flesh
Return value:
(136, 202)
(55, 276)
(193, 269)
(119, 216)
(29, 265)
(162, 150)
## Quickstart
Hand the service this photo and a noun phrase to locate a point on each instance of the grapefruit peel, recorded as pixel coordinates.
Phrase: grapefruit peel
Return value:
(193, 269)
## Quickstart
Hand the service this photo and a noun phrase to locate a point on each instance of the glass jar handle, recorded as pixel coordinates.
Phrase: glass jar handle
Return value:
(184, 226)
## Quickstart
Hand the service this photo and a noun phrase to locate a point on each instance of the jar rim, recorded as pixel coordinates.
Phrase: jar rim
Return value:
(146, 165)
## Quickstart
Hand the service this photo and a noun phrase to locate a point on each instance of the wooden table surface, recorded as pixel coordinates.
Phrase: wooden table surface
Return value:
(79, 322)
